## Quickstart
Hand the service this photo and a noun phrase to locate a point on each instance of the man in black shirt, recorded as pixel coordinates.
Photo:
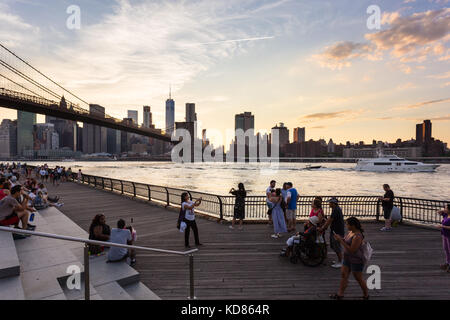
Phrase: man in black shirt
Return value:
(336, 223)
(387, 202)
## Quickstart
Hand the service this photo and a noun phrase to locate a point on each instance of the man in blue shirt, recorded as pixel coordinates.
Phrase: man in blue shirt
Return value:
(291, 201)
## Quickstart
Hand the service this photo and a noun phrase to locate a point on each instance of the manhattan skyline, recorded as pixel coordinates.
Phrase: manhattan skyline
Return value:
(313, 65)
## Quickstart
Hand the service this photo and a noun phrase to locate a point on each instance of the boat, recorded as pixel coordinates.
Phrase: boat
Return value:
(393, 163)
(310, 167)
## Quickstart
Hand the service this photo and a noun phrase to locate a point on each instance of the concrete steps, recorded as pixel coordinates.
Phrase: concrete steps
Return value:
(36, 268)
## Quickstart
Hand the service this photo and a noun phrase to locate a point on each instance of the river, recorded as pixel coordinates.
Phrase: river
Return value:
(332, 179)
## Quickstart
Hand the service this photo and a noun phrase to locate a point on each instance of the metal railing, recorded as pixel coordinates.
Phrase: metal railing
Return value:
(86, 242)
(222, 207)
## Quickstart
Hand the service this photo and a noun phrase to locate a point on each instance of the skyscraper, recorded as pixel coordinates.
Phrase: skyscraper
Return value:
(133, 114)
(283, 134)
(244, 121)
(424, 132)
(299, 135)
(25, 123)
(191, 116)
(8, 139)
(95, 138)
(147, 117)
(170, 114)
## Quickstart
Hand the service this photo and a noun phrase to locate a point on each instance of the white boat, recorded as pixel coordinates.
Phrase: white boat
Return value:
(393, 163)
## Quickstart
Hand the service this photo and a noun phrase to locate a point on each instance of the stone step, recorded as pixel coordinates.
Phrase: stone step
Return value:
(113, 291)
(9, 262)
(11, 289)
(139, 291)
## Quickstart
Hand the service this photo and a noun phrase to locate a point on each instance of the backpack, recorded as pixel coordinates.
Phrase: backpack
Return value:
(367, 251)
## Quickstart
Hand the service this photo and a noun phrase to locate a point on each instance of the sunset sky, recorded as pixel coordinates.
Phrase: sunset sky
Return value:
(312, 64)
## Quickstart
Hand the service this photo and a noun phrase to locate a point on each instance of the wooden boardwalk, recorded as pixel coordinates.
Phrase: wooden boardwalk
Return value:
(235, 264)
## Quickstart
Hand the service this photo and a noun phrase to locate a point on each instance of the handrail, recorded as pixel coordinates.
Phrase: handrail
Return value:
(94, 242)
(108, 244)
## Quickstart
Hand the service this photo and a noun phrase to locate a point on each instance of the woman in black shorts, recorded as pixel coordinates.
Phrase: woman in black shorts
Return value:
(239, 205)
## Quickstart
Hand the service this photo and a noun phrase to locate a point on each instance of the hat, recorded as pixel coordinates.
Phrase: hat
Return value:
(314, 220)
(333, 200)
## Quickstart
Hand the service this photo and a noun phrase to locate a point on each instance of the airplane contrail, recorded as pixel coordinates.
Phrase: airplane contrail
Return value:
(237, 40)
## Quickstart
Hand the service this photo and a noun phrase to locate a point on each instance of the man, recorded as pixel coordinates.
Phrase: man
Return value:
(336, 223)
(291, 200)
(11, 211)
(121, 235)
(269, 191)
(387, 202)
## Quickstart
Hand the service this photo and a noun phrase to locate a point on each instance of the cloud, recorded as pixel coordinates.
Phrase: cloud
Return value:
(339, 54)
(423, 104)
(445, 75)
(408, 39)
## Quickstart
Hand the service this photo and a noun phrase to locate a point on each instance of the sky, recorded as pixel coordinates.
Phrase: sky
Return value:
(314, 64)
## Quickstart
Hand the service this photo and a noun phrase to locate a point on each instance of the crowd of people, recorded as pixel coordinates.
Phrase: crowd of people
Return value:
(19, 202)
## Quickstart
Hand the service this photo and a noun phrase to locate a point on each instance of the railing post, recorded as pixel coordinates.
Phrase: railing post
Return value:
(121, 186)
(95, 182)
(87, 289)
(401, 209)
(112, 188)
(191, 277)
(220, 208)
(168, 199)
(103, 183)
(149, 193)
(134, 189)
(378, 210)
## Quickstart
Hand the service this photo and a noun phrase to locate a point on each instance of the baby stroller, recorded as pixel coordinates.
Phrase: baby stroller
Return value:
(309, 251)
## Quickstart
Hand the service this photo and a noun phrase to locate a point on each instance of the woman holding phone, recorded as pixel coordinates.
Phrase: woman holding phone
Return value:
(187, 205)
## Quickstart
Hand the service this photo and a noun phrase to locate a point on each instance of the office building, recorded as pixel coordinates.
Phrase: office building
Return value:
(113, 141)
(244, 121)
(170, 114)
(148, 121)
(25, 123)
(95, 137)
(191, 116)
(8, 139)
(45, 137)
(299, 135)
(133, 114)
(283, 134)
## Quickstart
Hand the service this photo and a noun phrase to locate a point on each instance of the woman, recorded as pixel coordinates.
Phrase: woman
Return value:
(100, 231)
(387, 202)
(187, 205)
(353, 258)
(279, 224)
(445, 231)
(239, 205)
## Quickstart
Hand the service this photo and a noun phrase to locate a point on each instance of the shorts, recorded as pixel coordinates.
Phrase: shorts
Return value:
(10, 220)
(334, 244)
(387, 213)
(354, 267)
(290, 214)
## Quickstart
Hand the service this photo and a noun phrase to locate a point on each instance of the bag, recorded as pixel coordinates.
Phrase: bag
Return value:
(367, 251)
(395, 214)
(183, 226)
(181, 218)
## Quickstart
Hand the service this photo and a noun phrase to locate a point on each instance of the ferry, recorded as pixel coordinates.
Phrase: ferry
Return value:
(393, 163)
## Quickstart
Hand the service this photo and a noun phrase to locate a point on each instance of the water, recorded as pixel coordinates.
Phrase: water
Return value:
(334, 179)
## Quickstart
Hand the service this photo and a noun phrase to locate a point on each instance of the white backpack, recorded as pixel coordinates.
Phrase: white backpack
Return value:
(367, 251)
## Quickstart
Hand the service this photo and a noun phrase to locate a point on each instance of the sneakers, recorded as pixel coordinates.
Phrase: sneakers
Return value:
(386, 229)
(337, 265)
(132, 261)
(275, 236)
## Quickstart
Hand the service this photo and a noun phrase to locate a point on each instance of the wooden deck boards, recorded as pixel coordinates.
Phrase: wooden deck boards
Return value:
(235, 264)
